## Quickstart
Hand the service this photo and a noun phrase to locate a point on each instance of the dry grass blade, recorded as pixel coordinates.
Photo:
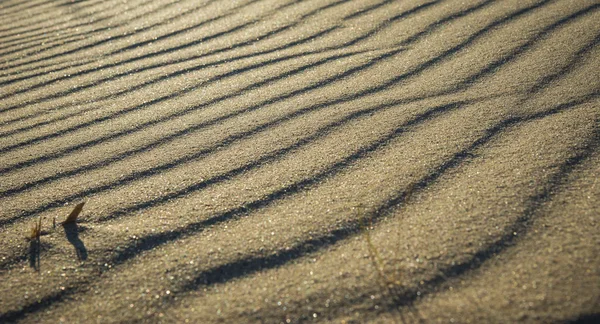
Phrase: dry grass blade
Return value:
(72, 218)
(36, 231)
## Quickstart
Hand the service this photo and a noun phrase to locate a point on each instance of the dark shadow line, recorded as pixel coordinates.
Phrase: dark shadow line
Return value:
(417, 70)
(15, 4)
(10, 221)
(573, 63)
(449, 52)
(259, 128)
(40, 38)
(408, 74)
(23, 47)
(187, 130)
(167, 76)
(83, 87)
(7, 15)
(181, 113)
(160, 65)
(275, 155)
(69, 150)
(404, 14)
(253, 264)
(50, 41)
(45, 29)
(118, 63)
(496, 65)
(153, 240)
(42, 303)
(32, 30)
(163, 7)
(368, 9)
(161, 52)
(178, 61)
(321, 132)
(440, 23)
(214, 52)
(320, 9)
(145, 105)
(403, 297)
(401, 15)
(113, 38)
(181, 31)
(77, 4)
(274, 32)
(369, 90)
(43, 69)
(391, 20)
(278, 154)
(411, 11)
(520, 226)
(429, 63)
(161, 78)
(190, 44)
(28, 13)
(127, 253)
(406, 297)
(493, 67)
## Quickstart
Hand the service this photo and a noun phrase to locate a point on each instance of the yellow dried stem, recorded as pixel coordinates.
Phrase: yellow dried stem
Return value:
(72, 218)
(36, 231)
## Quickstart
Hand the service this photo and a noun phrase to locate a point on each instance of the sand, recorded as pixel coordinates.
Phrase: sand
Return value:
(273, 161)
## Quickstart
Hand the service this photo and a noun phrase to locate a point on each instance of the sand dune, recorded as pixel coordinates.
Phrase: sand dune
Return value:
(286, 161)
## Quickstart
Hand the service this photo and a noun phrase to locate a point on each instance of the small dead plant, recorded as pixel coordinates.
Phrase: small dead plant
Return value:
(36, 230)
(72, 218)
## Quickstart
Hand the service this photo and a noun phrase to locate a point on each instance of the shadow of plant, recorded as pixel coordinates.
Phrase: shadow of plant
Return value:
(72, 234)
(34, 253)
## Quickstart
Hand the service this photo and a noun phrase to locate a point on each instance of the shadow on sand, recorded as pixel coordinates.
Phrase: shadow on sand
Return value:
(34, 253)
(72, 233)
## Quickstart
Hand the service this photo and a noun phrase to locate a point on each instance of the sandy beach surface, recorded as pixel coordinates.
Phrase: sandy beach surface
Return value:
(285, 161)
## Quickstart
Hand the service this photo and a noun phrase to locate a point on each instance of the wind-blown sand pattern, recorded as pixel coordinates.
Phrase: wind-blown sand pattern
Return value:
(293, 161)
